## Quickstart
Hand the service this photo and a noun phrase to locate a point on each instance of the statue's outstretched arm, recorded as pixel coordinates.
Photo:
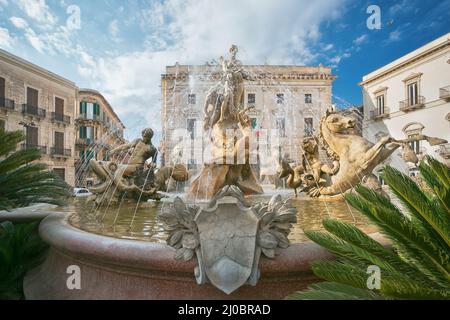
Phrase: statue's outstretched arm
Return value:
(123, 147)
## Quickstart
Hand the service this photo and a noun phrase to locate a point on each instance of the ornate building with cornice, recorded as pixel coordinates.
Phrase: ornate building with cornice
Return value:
(411, 96)
(287, 100)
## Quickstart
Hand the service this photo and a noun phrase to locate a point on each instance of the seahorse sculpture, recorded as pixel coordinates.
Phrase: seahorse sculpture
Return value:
(357, 156)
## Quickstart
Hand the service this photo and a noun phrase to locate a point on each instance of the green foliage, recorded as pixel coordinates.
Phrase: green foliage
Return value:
(418, 264)
(21, 249)
(23, 181)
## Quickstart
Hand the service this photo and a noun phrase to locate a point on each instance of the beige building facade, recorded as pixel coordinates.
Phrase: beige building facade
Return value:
(288, 102)
(42, 104)
(411, 96)
(46, 107)
(98, 130)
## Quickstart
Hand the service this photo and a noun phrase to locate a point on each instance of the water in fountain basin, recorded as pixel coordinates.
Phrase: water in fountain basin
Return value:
(146, 227)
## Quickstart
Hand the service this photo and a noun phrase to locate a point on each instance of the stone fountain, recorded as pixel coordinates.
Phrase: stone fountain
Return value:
(219, 244)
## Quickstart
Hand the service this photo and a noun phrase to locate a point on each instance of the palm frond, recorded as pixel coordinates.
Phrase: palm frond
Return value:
(334, 291)
(418, 267)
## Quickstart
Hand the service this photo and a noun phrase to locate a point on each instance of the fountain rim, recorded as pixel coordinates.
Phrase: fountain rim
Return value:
(104, 250)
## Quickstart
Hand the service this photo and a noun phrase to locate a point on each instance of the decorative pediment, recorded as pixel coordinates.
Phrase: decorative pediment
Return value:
(380, 90)
(413, 128)
(413, 76)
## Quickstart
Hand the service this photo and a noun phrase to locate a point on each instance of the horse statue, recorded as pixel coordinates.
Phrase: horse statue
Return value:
(356, 155)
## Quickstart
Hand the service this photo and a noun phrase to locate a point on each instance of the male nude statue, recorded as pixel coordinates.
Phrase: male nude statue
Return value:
(140, 150)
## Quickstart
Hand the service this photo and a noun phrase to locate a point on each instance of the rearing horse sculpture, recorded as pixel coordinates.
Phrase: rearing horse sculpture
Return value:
(357, 156)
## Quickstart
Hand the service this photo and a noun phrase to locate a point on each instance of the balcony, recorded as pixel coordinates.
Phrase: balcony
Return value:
(444, 151)
(377, 114)
(92, 117)
(7, 104)
(60, 152)
(34, 111)
(408, 105)
(59, 117)
(25, 146)
(444, 93)
(83, 141)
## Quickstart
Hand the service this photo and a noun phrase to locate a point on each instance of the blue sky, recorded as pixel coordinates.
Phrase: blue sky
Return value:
(121, 47)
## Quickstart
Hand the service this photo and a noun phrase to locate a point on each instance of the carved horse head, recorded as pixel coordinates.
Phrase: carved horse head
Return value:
(338, 123)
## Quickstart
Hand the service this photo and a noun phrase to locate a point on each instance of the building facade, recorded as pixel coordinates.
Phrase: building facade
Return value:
(47, 108)
(42, 104)
(411, 96)
(98, 130)
(288, 102)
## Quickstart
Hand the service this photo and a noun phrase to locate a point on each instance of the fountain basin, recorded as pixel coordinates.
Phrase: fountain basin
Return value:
(112, 268)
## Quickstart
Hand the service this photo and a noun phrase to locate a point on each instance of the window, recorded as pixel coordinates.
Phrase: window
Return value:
(281, 128)
(280, 98)
(380, 104)
(251, 98)
(59, 142)
(60, 172)
(413, 94)
(192, 98)
(415, 145)
(191, 126)
(309, 129)
(308, 98)
(380, 177)
(32, 97)
(59, 106)
(90, 110)
(32, 136)
(2, 88)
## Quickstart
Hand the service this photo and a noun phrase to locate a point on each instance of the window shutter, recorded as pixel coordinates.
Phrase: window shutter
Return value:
(59, 140)
(2, 88)
(32, 136)
(59, 106)
(32, 97)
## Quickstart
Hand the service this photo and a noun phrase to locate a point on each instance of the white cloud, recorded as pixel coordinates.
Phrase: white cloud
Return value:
(338, 58)
(195, 31)
(360, 40)
(19, 22)
(402, 7)
(114, 28)
(328, 47)
(38, 11)
(394, 36)
(6, 41)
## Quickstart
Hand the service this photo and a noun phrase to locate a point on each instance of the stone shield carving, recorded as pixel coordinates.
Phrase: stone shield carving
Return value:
(227, 233)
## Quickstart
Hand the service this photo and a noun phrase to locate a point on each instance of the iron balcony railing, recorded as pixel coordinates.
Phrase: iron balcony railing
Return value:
(58, 151)
(444, 150)
(32, 110)
(379, 113)
(444, 93)
(27, 146)
(60, 117)
(7, 104)
(83, 141)
(85, 116)
(410, 104)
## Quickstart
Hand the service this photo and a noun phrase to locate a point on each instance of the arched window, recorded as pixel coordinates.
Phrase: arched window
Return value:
(411, 130)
